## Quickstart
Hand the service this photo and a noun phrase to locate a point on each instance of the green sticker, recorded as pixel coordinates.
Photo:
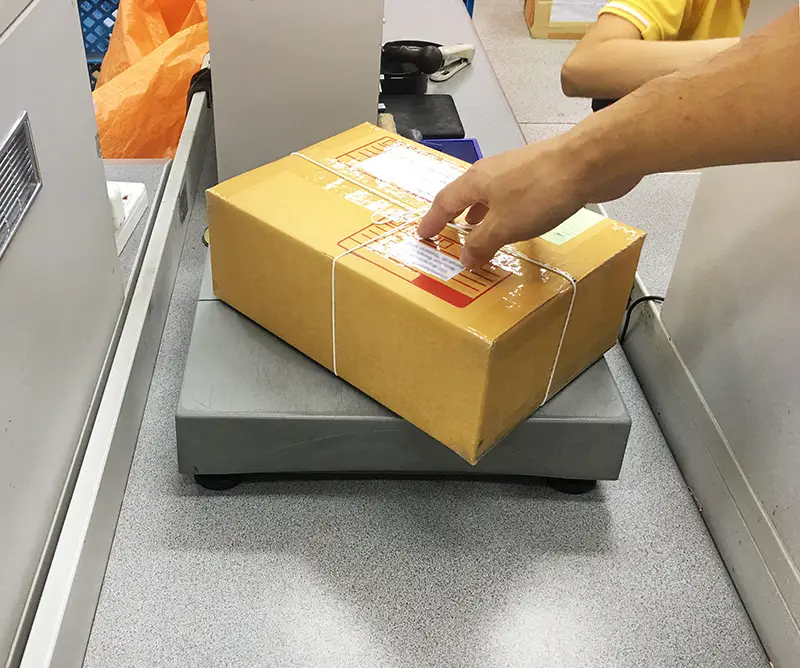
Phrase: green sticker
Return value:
(572, 227)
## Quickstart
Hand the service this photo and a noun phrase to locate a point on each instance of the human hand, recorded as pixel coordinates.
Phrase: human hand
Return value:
(522, 194)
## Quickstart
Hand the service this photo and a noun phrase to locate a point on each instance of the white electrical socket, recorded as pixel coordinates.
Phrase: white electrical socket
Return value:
(133, 199)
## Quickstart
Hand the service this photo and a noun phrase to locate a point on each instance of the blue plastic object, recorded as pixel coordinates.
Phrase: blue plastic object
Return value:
(97, 22)
(470, 6)
(463, 149)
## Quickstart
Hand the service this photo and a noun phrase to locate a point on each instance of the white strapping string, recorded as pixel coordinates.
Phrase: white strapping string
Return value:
(390, 232)
(409, 211)
(574, 284)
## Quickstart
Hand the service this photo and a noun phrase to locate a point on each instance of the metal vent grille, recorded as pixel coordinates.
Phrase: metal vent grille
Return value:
(20, 181)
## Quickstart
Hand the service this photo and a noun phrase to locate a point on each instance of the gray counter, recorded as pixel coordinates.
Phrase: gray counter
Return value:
(417, 19)
(403, 573)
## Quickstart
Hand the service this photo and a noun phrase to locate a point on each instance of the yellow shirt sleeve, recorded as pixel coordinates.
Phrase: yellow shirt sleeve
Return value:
(657, 20)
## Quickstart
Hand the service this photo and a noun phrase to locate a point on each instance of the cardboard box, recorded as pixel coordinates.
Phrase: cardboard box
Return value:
(322, 253)
(561, 19)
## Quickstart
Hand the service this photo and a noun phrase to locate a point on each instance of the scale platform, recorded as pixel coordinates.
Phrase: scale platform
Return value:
(251, 404)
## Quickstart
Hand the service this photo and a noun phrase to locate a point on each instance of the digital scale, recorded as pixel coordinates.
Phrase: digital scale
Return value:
(251, 405)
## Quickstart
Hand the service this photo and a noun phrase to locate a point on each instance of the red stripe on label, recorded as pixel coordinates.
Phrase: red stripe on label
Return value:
(442, 291)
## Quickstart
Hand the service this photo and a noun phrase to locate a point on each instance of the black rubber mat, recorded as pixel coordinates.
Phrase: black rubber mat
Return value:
(435, 116)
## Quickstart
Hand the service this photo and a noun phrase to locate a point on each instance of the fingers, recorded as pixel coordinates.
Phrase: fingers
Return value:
(483, 242)
(476, 213)
(449, 204)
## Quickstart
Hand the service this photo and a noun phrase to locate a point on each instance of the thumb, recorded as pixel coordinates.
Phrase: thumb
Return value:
(483, 242)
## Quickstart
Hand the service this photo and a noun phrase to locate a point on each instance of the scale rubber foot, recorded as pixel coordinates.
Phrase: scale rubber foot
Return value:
(571, 486)
(217, 483)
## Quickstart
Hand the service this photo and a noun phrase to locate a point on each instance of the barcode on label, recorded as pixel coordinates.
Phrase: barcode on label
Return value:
(421, 257)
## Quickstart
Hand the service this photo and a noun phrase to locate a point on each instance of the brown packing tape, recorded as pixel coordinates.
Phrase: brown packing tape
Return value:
(541, 19)
(567, 30)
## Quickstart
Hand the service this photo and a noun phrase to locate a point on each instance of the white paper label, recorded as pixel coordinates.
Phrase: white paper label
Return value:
(573, 226)
(413, 171)
(580, 11)
(418, 255)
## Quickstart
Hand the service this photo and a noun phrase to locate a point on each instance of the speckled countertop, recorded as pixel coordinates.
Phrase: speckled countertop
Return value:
(424, 574)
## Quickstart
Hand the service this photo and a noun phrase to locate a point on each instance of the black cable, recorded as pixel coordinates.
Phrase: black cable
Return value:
(633, 305)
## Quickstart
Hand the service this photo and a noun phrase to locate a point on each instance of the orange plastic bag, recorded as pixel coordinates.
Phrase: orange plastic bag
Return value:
(140, 99)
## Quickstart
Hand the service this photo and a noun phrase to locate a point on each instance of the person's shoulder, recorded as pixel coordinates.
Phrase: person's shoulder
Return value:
(614, 23)
(654, 19)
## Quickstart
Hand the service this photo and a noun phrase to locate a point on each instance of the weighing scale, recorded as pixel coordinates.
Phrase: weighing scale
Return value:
(251, 405)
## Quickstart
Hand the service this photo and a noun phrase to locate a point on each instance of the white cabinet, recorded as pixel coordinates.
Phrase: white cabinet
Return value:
(302, 71)
(732, 312)
(60, 287)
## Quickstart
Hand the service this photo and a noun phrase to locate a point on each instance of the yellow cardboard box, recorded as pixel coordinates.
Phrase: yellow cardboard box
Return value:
(320, 248)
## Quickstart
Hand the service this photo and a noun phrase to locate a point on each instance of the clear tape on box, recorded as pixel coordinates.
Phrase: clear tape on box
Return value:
(407, 216)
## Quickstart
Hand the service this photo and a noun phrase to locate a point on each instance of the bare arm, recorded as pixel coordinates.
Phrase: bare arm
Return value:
(613, 60)
(741, 106)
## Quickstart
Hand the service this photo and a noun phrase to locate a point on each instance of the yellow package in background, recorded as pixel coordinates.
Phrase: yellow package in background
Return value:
(140, 99)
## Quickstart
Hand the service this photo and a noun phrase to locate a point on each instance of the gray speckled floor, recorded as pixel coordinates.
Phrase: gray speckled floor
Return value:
(659, 205)
(409, 573)
(529, 71)
(416, 573)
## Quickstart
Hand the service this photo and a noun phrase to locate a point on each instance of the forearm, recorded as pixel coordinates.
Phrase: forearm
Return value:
(741, 106)
(616, 67)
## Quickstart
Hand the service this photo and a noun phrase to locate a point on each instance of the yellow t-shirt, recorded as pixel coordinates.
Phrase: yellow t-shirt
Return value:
(682, 20)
